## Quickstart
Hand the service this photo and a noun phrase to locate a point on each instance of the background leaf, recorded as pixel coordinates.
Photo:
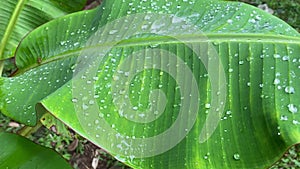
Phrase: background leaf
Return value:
(18, 152)
(20, 17)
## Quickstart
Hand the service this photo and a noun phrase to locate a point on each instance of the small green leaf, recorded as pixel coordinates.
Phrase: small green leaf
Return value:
(54, 124)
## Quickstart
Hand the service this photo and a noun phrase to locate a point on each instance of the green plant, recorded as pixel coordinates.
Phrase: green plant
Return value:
(228, 71)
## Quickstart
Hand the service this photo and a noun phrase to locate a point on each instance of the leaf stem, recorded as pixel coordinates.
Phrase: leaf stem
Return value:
(26, 131)
(1, 67)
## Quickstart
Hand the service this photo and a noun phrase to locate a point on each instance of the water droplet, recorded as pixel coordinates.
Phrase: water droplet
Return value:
(144, 27)
(177, 20)
(74, 100)
(276, 81)
(91, 102)
(116, 78)
(296, 122)
(283, 118)
(84, 106)
(229, 21)
(289, 90)
(285, 58)
(95, 78)
(101, 115)
(228, 112)
(62, 43)
(292, 108)
(205, 157)
(252, 21)
(113, 32)
(153, 45)
(207, 105)
(276, 56)
(236, 156)
(126, 74)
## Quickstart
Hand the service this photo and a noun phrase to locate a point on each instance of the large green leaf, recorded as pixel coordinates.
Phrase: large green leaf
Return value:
(227, 75)
(18, 17)
(18, 152)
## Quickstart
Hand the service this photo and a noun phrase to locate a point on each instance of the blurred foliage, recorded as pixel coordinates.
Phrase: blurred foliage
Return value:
(290, 160)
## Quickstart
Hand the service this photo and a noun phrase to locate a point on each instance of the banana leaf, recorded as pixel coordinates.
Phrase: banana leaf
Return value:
(190, 84)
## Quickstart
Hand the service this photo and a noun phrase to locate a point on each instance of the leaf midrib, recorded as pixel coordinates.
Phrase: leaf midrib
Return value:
(190, 38)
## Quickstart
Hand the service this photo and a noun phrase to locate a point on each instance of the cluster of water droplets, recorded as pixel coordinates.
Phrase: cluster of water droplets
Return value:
(35, 84)
(284, 83)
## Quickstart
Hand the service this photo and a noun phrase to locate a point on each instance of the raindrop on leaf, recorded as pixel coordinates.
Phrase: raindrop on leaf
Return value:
(283, 118)
(207, 105)
(74, 100)
(289, 90)
(292, 108)
(276, 81)
(236, 156)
